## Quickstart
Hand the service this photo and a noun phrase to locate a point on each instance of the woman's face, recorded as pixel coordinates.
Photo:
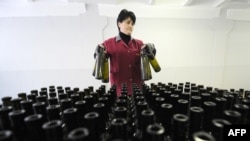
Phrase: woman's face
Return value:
(126, 26)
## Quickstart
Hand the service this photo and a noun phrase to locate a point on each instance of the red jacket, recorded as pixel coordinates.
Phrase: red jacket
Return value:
(124, 62)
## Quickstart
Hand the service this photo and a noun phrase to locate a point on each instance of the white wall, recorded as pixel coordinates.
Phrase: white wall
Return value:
(38, 52)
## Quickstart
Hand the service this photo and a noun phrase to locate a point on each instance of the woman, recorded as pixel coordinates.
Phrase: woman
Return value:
(124, 54)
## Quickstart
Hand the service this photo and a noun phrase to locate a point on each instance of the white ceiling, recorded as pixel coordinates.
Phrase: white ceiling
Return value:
(202, 9)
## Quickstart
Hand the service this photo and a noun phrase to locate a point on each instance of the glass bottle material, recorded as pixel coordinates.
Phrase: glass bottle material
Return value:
(179, 127)
(53, 112)
(4, 118)
(33, 125)
(217, 128)
(53, 130)
(18, 125)
(105, 78)
(150, 49)
(145, 67)
(155, 132)
(6, 135)
(92, 122)
(79, 134)
(6, 101)
(202, 136)
(118, 129)
(70, 119)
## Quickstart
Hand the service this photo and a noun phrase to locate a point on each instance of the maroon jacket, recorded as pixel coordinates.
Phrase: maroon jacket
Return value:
(124, 62)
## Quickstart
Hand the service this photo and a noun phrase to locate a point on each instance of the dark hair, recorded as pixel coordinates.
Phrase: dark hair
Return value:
(124, 14)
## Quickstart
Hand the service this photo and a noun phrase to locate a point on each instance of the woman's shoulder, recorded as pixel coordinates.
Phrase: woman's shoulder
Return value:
(110, 39)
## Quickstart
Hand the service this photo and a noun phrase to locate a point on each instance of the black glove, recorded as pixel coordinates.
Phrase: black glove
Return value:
(151, 51)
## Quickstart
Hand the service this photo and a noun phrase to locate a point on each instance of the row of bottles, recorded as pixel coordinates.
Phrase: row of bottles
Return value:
(157, 112)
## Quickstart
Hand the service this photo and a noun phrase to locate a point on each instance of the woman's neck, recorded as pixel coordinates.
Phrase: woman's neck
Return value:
(125, 38)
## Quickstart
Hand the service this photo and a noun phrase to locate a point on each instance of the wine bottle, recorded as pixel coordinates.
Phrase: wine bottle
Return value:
(53, 112)
(4, 118)
(17, 124)
(7, 101)
(202, 136)
(33, 125)
(79, 134)
(92, 120)
(151, 56)
(105, 70)
(155, 132)
(53, 130)
(179, 127)
(118, 129)
(217, 128)
(145, 67)
(27, 106)
(40, 108)
(6, 135)
(70, 119)
(196, 117)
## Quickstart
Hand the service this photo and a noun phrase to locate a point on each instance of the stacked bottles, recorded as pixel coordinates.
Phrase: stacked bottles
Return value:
(157, 112)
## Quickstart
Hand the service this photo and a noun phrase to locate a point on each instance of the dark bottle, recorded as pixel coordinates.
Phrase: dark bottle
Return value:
(244, 110)
(196, 117)
(182, 106)
(4, 118)
(35, 92)
(53, 112)
(145, 67)
(157, 104)
(101, 110)
(99, 61)
(202, 136)
(65, 104)
(81, 107)
(105, 70)
(27, 106)
(118, 129)
(209, 108)
(62, 96)
(179, 127)
(53, 130)
(7, 101)
(150, 50)
(70, 119)
(40, 108)
(75, 98)
(52, 94)
(22, 95)
(16, 103)
(6, 135)
(92, 120)
(217, 128)
(230, 100)
(33, 125)
(53, 101)
(234, 117)
(42, 98)
(220, 106)
(78, 134)
(18, 125)
(195, 101)
(165, 117)
(32, 97)
(89, 102)
(147, 117)
(155, 132)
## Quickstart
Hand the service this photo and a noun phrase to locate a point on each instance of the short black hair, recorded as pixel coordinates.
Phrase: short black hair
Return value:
(124, 14)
